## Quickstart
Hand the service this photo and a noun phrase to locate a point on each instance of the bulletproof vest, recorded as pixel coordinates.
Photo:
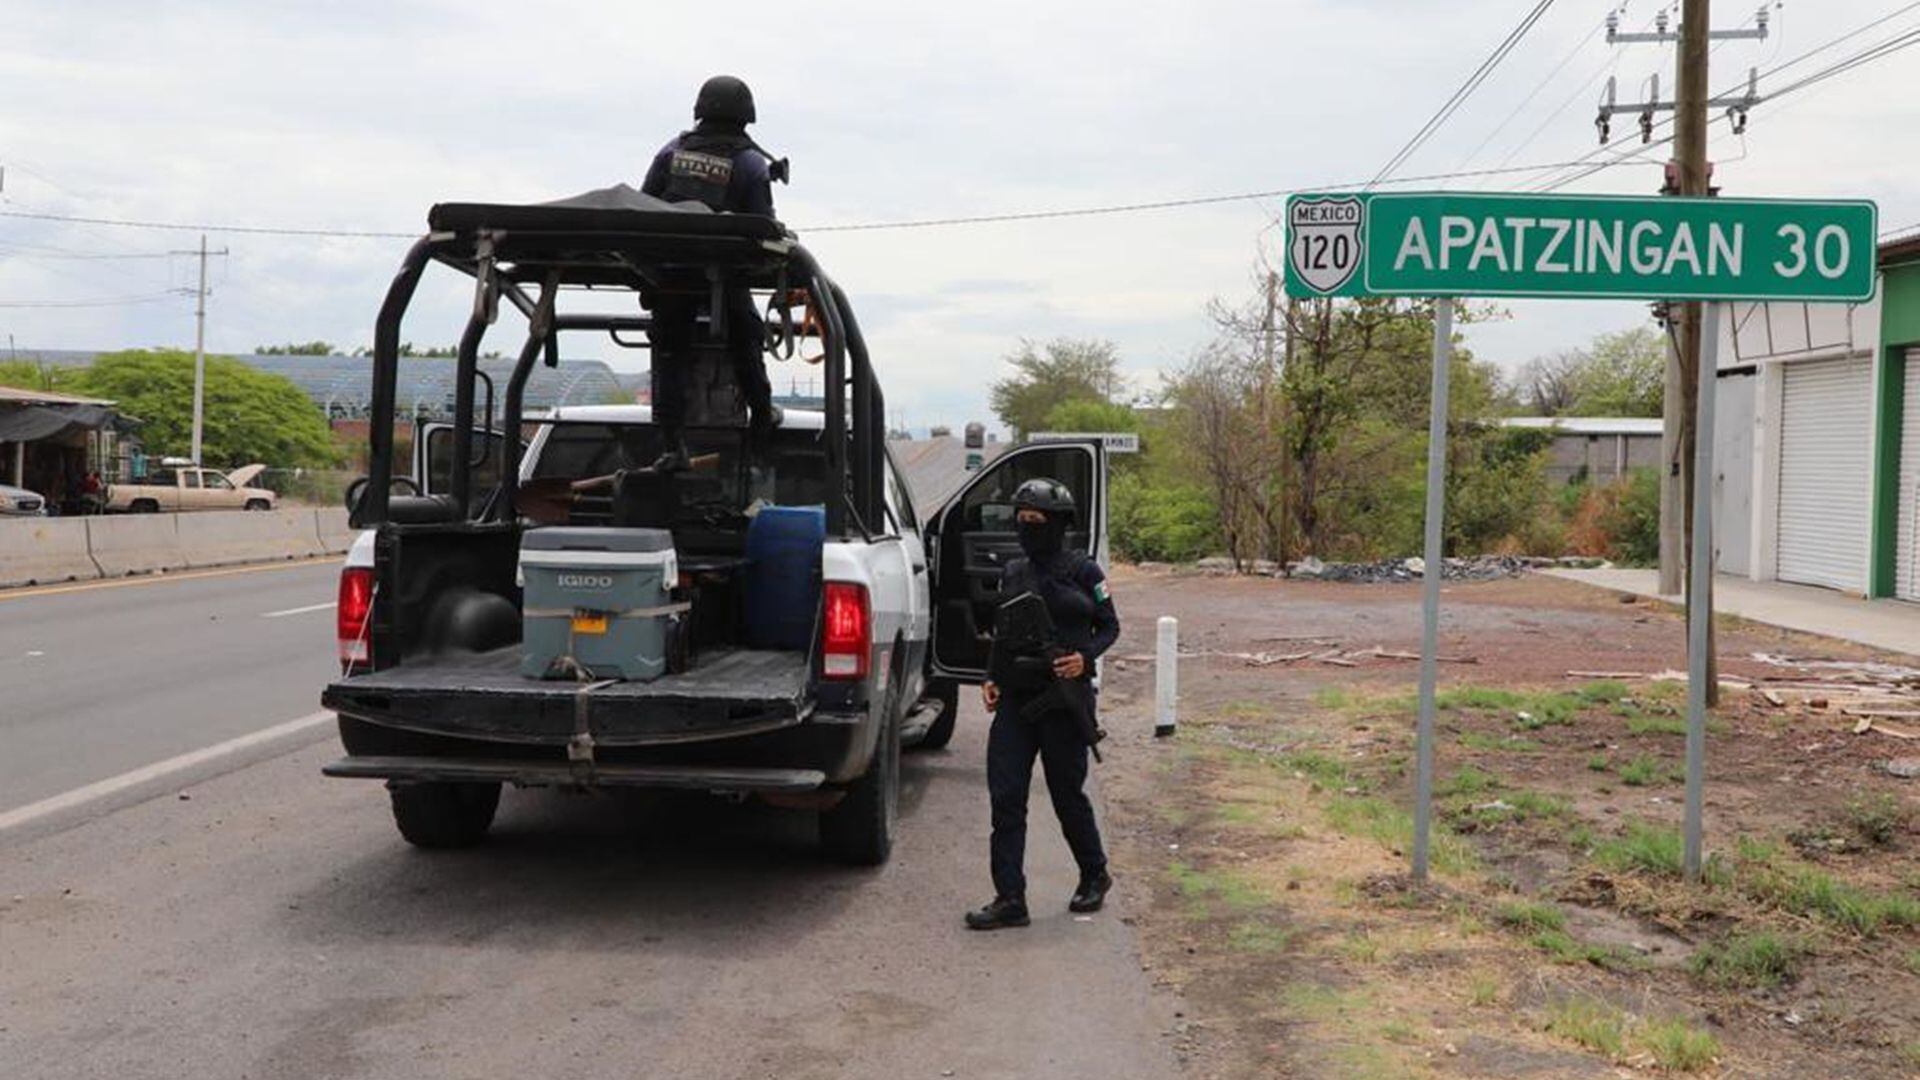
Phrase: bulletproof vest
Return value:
(700, 167)
(1058, 583)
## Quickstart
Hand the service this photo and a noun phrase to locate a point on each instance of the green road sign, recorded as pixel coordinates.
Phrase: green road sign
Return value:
(1579, 246)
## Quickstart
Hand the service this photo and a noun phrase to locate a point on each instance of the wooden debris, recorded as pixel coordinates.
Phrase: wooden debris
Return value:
(1332, 656)
(1395, 654)
(1881, 714)
(1867, 723)
(1606, 674)
(1774, 699)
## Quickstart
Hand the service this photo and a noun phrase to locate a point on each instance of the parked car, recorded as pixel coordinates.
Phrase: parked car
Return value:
(190, 487)
(19, 502)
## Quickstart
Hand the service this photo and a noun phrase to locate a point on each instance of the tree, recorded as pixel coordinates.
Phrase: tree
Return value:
(249, 415)
(1063, 369)
(1625, 374)
(1087, 414)
(34, 375)
(302, 348)
(1549, 385)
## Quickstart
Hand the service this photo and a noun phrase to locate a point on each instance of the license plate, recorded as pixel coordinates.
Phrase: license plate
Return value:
(589, 622)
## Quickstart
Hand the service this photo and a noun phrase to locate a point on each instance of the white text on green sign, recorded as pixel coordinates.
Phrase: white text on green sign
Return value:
(1464, 244)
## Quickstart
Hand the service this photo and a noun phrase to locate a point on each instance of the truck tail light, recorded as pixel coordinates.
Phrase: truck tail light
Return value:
(847, 623)
(353, 615)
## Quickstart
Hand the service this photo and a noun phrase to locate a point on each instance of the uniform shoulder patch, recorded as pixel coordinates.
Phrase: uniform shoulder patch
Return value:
(1100, 592)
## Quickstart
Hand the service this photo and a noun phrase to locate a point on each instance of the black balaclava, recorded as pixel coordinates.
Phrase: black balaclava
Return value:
(1042, 539)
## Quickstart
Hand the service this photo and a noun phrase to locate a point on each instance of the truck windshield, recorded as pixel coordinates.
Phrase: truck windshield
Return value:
(791, 473)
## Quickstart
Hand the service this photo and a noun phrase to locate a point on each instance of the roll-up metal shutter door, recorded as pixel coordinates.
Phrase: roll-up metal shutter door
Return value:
(1906, 580)
(1826, 466)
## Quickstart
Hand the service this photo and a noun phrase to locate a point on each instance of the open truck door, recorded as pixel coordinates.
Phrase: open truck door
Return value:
(972, 538)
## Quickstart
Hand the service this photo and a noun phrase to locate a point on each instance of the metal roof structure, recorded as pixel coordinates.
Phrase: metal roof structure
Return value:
(1588, 425)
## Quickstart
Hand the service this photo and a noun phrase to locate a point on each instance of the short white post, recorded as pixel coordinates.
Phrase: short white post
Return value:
(1166, 675)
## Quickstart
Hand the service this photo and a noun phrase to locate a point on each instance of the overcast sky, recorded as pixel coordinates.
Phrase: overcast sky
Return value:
(359, 115)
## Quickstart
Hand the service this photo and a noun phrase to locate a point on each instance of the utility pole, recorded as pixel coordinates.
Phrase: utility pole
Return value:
(1691, 178)
(200, 343)
(1688, 174)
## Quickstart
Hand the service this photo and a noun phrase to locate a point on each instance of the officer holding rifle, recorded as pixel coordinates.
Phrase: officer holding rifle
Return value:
(1056, 621)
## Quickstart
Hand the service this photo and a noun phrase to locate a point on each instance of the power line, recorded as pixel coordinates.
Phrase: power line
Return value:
(917, 223)
(175, 226)
(1465, 90)
(1606, 67)
(1887, 47)
(1535, 92)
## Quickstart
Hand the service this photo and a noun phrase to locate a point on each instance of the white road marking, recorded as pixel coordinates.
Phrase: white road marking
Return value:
(328, 606)
(158, 770)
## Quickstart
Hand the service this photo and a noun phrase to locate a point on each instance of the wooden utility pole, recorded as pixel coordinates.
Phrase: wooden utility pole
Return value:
(1691, 179)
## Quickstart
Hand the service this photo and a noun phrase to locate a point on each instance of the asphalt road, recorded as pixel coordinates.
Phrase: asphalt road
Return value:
(100, 678)
(266, 922)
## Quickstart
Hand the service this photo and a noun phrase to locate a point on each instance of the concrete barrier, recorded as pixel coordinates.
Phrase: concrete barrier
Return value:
(34, 551)
(222, 538)
(135, 543)
(336, 536)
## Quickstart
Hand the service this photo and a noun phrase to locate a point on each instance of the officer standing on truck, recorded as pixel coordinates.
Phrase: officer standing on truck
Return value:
(1048, 709)
(717, 164)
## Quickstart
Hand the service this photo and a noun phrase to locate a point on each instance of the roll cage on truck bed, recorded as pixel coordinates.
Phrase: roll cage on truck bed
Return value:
(430, 616)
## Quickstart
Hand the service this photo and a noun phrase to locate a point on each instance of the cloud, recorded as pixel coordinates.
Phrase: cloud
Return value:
(362, 114)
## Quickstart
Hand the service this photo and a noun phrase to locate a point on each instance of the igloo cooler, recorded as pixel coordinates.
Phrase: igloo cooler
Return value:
(601, 597)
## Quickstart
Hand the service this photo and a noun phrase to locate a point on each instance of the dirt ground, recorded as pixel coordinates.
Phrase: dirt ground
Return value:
(1265, 846)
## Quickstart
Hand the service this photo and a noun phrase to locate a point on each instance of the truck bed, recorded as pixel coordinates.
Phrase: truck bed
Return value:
(483, 696)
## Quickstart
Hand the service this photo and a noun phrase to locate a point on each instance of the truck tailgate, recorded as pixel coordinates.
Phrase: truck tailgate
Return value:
(484, 696)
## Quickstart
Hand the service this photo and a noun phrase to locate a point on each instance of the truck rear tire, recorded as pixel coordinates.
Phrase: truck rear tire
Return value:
(859, 830)
(947, 693)
(444, 815)
(258, 504)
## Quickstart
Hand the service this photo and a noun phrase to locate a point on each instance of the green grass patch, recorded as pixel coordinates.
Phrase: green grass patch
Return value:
(1224, 886)
(1591, 1023)
(1758, 959)
(1530, 915)
(1483, 989)
(1602, 692)
(1645, 770)
(1677, 1046)
(1360, 947)
(1333, 697)
(1262, 937)
(1642, 724)
(1878, 818)
(1808, 890)
(1381, 821)
(1563, 948)
(1322, 769)
(1645, 848)
(1600, 763)
(1467, 780)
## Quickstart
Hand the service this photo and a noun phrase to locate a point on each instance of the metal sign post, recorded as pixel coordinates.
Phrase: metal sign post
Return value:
(1430, 585)
(1700, 580)
(1449, 244)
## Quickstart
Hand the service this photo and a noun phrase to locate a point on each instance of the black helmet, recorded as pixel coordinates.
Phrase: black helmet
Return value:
(724, 97)
(1047, 495)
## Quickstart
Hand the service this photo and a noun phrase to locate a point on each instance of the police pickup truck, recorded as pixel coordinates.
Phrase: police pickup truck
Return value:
(537, 606)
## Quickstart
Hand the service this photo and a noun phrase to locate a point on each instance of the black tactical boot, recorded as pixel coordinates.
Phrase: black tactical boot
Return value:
(1004, 912)
(1091, 894)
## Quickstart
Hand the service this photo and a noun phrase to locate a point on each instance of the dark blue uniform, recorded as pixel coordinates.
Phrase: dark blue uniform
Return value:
(715, 164)
(1075, 591)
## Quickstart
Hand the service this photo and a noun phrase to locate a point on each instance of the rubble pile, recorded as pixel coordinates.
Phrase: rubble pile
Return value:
(1476, 568)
